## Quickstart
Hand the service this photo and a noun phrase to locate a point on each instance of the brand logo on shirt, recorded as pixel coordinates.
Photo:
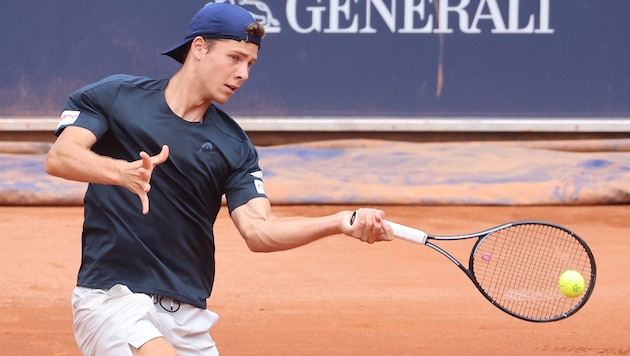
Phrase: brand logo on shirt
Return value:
(206, 147)
(260, 188)
(68, 117)
(258, 183)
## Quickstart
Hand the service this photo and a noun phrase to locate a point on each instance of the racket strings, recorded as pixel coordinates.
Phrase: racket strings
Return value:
(518, 268)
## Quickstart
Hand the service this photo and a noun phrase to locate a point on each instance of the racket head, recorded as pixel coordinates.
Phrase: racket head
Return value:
(516, 266)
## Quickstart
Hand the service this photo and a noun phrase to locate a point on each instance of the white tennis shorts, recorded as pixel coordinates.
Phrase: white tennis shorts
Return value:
(106, 322)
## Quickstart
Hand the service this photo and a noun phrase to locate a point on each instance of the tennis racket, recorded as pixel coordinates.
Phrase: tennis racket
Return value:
(516, 266)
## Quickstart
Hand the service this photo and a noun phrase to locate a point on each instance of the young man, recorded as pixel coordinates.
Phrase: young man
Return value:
(147, 270)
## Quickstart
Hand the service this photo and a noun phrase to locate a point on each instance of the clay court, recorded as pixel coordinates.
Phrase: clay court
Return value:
(339, 296)
(336, 296)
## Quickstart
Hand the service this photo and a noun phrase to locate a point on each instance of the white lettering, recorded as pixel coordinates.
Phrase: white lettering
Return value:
(335, 10)
(513, 15)
(388, 16)
(417, 16)
(316, 17)
(543, 25)
(410, 11)
(443, 11)
(494, 16)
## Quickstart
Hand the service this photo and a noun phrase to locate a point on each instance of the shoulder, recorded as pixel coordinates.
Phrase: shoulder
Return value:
(117, 81)
(227, 124)
(126, 80)
(107, 91)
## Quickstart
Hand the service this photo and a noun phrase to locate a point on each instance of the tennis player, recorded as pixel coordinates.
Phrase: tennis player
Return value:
(147, 270)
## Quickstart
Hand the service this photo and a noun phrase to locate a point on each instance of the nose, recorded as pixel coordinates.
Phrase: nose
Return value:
(243, 72)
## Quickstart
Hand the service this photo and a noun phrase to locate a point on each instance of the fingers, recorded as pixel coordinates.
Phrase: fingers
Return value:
(145, 176)
(145, 172)
(162, 156)
(368, 225)
(144, 200)
(149, 162)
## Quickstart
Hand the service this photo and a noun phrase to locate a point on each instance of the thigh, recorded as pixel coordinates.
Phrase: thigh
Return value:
(106, 322)
(187, 328)
(155, 347)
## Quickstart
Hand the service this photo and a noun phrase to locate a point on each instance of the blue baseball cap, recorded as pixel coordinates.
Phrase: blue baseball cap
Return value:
(216, 20)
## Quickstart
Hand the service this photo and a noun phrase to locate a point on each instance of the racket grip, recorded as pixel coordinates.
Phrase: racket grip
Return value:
(408, 233)
(402, 232)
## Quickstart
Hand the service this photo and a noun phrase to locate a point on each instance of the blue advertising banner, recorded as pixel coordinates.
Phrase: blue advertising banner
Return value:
(403, 58)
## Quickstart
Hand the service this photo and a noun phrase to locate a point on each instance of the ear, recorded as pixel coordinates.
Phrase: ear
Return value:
(198, 47)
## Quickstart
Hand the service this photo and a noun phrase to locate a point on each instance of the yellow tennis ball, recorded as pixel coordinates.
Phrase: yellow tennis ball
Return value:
(571, 283)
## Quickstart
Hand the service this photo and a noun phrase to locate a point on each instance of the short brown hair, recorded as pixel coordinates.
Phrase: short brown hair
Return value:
(256, 29)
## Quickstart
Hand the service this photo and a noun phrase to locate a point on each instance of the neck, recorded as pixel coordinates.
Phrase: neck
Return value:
(182, 98)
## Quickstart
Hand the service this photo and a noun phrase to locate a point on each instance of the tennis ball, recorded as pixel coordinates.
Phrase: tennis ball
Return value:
(571, 283)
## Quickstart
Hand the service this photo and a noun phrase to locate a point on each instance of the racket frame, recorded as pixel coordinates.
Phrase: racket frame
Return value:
(417, 236)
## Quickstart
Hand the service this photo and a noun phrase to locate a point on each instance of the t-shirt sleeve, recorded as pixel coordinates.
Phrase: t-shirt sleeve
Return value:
(246, 182)
(87, 108)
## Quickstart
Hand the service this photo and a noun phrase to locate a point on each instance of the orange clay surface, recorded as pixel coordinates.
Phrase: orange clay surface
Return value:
(336, 296)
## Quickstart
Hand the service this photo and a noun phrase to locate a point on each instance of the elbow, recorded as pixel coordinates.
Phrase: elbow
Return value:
(55, 162)
(257, 244)
(258, 249)
(258, 232)
(50, 165)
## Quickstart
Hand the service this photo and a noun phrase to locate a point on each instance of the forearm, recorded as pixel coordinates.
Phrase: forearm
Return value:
(284, 233)
(70, 160)
(265, 232)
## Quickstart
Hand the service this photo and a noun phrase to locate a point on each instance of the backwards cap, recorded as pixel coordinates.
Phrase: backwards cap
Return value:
(216, 20)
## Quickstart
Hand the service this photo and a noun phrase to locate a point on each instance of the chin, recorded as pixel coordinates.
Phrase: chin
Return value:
(222, 100)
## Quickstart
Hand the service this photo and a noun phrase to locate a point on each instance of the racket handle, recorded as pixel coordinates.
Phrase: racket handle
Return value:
(402, 232)
(408, 233)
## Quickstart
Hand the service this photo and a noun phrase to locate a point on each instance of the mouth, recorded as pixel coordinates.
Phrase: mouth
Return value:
(231, 87)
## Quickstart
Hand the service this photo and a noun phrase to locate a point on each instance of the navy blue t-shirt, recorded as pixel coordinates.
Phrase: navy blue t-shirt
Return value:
(170, 251)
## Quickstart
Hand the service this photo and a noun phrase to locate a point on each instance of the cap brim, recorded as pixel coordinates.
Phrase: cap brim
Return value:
(178, 52)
